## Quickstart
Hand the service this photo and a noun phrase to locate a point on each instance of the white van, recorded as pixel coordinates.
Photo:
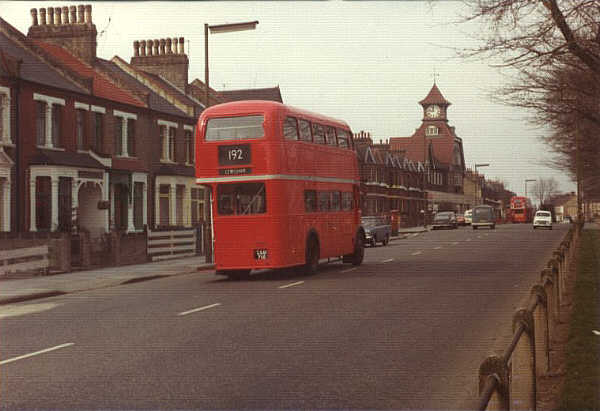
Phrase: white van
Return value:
(542, 219)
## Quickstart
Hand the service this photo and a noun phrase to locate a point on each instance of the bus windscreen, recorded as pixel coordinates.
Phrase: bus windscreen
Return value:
(235, 128)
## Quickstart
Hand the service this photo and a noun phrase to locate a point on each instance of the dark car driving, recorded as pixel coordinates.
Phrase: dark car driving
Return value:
(444, 219)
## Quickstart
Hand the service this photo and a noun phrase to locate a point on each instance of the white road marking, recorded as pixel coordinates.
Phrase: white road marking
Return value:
(416, 253)
(58, 347)
(468, 239)
(415, 234)
(455, 242)
(388, 260)
(292, 284)
(438, 247)
(478, 236)
(16, 310)
(349, 269)
(195, 310)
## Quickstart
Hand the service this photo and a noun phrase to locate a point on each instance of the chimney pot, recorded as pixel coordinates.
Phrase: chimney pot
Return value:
(156, 45)
(174, 43)
(136, 48)
(65, 15)
(162, 47)
(88, 14)
(58, 16)
(43, 16)
(181, 51)
(80, 10)
(50, 15)
(73, 10)
(143, 47)
(150, 44)
(34, 17)
(168, 49)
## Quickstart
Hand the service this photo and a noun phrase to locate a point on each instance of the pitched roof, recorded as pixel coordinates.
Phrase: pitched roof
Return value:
(101, 85)
(434, 97)
(64, 158)
(197, 89)
(33, 64)
(269, 94)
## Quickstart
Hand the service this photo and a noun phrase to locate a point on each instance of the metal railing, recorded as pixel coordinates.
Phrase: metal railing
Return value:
(509, 382)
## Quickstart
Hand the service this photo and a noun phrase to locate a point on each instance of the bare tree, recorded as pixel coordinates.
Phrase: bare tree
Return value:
(544, 188)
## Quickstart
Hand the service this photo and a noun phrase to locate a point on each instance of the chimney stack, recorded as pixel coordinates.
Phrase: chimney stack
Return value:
(165, 57)
(75, 32)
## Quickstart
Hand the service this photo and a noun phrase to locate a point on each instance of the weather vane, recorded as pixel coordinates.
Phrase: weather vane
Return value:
(435, 75)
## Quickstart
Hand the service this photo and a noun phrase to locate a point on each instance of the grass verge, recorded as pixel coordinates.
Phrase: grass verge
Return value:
(582, 384)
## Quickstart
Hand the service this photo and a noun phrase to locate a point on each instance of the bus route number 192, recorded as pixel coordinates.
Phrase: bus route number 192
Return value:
(233, 155)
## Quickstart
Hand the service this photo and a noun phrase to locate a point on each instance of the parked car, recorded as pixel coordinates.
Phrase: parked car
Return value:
(468, 216)
(444, 219)
(377, 230)
(542, 219)
(460, 219)
(483, 216)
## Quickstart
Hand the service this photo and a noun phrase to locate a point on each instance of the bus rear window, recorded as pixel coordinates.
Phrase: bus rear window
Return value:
(235, 128)
(241, 198)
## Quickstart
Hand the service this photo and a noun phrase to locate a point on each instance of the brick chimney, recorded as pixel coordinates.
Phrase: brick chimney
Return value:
(165, 57)
(68, 27)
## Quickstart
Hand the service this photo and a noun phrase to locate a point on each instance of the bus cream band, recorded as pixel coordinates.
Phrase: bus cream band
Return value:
(274, 177)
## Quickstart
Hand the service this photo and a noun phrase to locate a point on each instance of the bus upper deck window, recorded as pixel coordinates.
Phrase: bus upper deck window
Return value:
(235, 128)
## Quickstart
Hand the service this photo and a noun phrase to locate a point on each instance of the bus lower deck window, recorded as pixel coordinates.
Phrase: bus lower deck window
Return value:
(241, 198)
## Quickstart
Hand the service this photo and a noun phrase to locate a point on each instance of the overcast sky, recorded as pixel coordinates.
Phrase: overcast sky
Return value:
(368, 63)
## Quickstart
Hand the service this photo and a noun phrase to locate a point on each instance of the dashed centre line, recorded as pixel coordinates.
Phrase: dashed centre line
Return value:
(22, 357)
(455, 243)
(438, 247)
(292, 284)
(389, 260)
(468, 239)
(417, 253)
(195, 310)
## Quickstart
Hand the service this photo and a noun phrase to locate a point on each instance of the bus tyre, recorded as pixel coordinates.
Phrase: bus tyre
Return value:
(238, 275)
(311, 265)
(359, 249)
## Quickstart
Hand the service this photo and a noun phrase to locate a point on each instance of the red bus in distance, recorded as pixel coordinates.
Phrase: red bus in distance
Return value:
(521, 210)
(284, 187)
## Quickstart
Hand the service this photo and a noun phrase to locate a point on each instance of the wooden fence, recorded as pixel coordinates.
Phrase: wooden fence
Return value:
(168, 244)
(25, 259)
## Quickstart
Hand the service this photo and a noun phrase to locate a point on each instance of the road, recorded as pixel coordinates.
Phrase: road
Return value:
(407, 329)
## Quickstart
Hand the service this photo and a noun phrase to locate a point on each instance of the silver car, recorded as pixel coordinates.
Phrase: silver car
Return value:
(444, 219)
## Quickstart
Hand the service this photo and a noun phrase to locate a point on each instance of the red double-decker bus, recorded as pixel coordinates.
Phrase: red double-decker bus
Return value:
(284, 187)
(521, 210)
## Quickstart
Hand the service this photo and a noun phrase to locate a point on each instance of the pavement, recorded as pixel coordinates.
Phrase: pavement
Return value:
(17, 289)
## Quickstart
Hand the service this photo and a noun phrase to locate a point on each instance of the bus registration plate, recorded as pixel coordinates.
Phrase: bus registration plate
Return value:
(260, 254)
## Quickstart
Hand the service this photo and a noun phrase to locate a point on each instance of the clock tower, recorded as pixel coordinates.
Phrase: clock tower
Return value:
(435, 106)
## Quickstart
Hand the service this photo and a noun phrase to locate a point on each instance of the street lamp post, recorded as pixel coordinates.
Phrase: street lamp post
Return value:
(221, 28)
(477, 175)
(528, 180)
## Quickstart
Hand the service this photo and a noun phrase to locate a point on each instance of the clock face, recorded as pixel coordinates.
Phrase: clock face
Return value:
(433, 111)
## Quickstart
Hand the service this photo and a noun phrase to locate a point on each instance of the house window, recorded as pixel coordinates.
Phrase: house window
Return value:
(56, 125)
(80, 128)
(5, 137)
(65, 209)
(138, 205)
(164, 201)
(97, 132)
(168, 132)
(131, 137)
(180, 191)
(172, 143)
(43, 203)
(124, 139)
(431, 131)
(40, 123)
(189, 146)
(197, 206)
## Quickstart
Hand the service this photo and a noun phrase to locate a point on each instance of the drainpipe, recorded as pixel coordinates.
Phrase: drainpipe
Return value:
(18, 224)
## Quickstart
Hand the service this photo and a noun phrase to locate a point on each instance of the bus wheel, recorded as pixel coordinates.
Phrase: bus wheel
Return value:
(359, 250)
(237, 275)
(312, 256)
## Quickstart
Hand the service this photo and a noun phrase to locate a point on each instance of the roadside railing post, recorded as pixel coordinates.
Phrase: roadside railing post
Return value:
(522, 381)
(541, 332)
(557, 280)
(493, 384)
(551, 302)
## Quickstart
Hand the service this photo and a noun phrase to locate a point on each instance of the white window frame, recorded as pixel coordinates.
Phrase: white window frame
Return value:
(124, 117)
(5, 138)
(50, 101)
(165, 140)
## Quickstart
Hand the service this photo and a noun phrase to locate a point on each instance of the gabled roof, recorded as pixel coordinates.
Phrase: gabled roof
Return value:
(101, 85)
(197, 89)
(269, 94)
(434, 97)
(34, 64)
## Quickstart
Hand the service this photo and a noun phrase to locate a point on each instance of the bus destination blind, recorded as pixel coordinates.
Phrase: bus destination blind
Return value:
(234, 155)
